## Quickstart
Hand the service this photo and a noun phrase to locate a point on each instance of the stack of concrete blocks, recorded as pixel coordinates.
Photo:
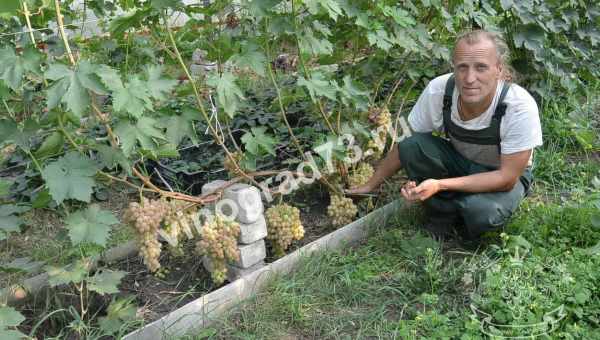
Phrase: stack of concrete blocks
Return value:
(249, 213)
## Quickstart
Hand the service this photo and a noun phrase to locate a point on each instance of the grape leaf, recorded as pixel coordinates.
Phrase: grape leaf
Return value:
(317, 85)
(111, 158)
(71, 86)
(158, 86)
(144, 132)
(70, 177)
(313, 45)
(257, 142)
(9, 317)
(163, 4)
(10, 132)
(8, 221)
(118, 312)
(133, 98)
(71, 273)
(90, 225)
(106, 281)
(352, 94)
(21, 264)
(4, 187)
(9, 7)
(331, 6)
(110, 77)
(250, 57)
(530, 36)
(228, 93)
(13, 66)
(52, 145)
(181, 126)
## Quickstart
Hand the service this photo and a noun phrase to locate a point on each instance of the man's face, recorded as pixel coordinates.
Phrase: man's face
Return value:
(476, 69)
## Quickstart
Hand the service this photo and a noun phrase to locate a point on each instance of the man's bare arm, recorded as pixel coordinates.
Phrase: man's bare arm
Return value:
(503, 179)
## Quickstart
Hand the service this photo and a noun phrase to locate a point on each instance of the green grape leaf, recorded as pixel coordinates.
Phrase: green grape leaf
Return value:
(353, 95)
(9, 317)
(70, 177)
(11, 334)
(21, 264)
(4, 187)
(10, 132)
(13, 66)
(228, 93)
(144, 132)
(106, 281)
(133, 98)
(52, 145)
(381, 39)
(313, 45)
(9, 224)
(331, 6)
(90, 225)
(118, 312)
(164, 4)
(252, 58)
(319, 86)
(111, 158)
(110, 78)
(181, 126)
(259, 143)
(128, 20)
(9, 7)
(400, 16)
(71, 86)
(158, 86)
(530, 36)
(71, 273)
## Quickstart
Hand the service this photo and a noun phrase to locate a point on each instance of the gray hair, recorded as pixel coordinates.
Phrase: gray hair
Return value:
(502, 50)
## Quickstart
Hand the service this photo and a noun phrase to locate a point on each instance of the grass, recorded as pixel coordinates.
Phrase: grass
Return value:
(402, 284)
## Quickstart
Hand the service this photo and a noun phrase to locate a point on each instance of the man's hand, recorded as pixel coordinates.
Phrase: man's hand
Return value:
(360, 190)
(413, 192)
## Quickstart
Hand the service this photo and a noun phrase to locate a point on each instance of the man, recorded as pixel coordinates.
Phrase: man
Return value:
(477, 176)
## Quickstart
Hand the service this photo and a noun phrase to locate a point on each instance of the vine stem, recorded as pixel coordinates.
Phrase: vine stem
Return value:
(281, 106)
(61, 29)
(305, 71)
(214, 132)
(27, 14)
(399, 112)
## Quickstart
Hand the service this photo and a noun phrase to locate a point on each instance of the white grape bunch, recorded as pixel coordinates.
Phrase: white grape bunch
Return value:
(341, 210)
(359, 176)
(145, 217)
(219, 244)
(284, 226)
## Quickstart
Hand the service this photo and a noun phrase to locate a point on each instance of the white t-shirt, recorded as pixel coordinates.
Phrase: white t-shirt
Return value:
(520, 128)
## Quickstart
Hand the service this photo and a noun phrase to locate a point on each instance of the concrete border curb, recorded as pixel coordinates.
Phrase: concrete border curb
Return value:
(200, 312)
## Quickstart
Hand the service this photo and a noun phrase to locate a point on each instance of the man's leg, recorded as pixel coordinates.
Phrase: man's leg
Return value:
(490, 211)
(425, 156)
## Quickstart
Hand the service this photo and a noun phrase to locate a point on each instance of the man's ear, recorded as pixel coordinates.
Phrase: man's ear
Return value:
(499, 68)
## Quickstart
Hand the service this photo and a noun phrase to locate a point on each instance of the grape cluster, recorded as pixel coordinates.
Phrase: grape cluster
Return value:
(219, 244)
(380, 116)
(359, 176)
(145, 217)
(230, 166)
(178, 221)
(284, 226)
(341, 210)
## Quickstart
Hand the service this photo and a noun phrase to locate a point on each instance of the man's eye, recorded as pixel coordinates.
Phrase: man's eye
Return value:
(482, 68)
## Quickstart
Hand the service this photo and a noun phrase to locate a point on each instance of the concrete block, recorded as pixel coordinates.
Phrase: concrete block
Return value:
(252, 232)
(210, 187)
(248, 202)
(233, 272)
(251, 254)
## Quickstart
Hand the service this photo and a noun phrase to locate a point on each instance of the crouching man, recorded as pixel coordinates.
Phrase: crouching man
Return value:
(477, 176)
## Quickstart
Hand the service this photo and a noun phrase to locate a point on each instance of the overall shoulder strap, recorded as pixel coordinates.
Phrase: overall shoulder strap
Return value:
(500, 111)
(447, 108)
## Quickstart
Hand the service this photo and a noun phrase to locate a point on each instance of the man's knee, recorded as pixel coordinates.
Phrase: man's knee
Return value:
(481, 215)
(411, 148)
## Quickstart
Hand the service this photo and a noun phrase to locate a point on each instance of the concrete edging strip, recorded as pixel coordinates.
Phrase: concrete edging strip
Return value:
(200, 312)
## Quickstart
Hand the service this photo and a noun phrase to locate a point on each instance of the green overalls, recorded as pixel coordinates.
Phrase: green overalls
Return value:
(426, 156)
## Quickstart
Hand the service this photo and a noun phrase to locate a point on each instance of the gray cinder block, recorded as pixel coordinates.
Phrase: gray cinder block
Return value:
(210, 187)
(251, 254)
(247, 200)
(252, 232)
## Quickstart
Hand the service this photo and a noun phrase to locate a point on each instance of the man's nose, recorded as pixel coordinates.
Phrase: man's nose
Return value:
(470, 76)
